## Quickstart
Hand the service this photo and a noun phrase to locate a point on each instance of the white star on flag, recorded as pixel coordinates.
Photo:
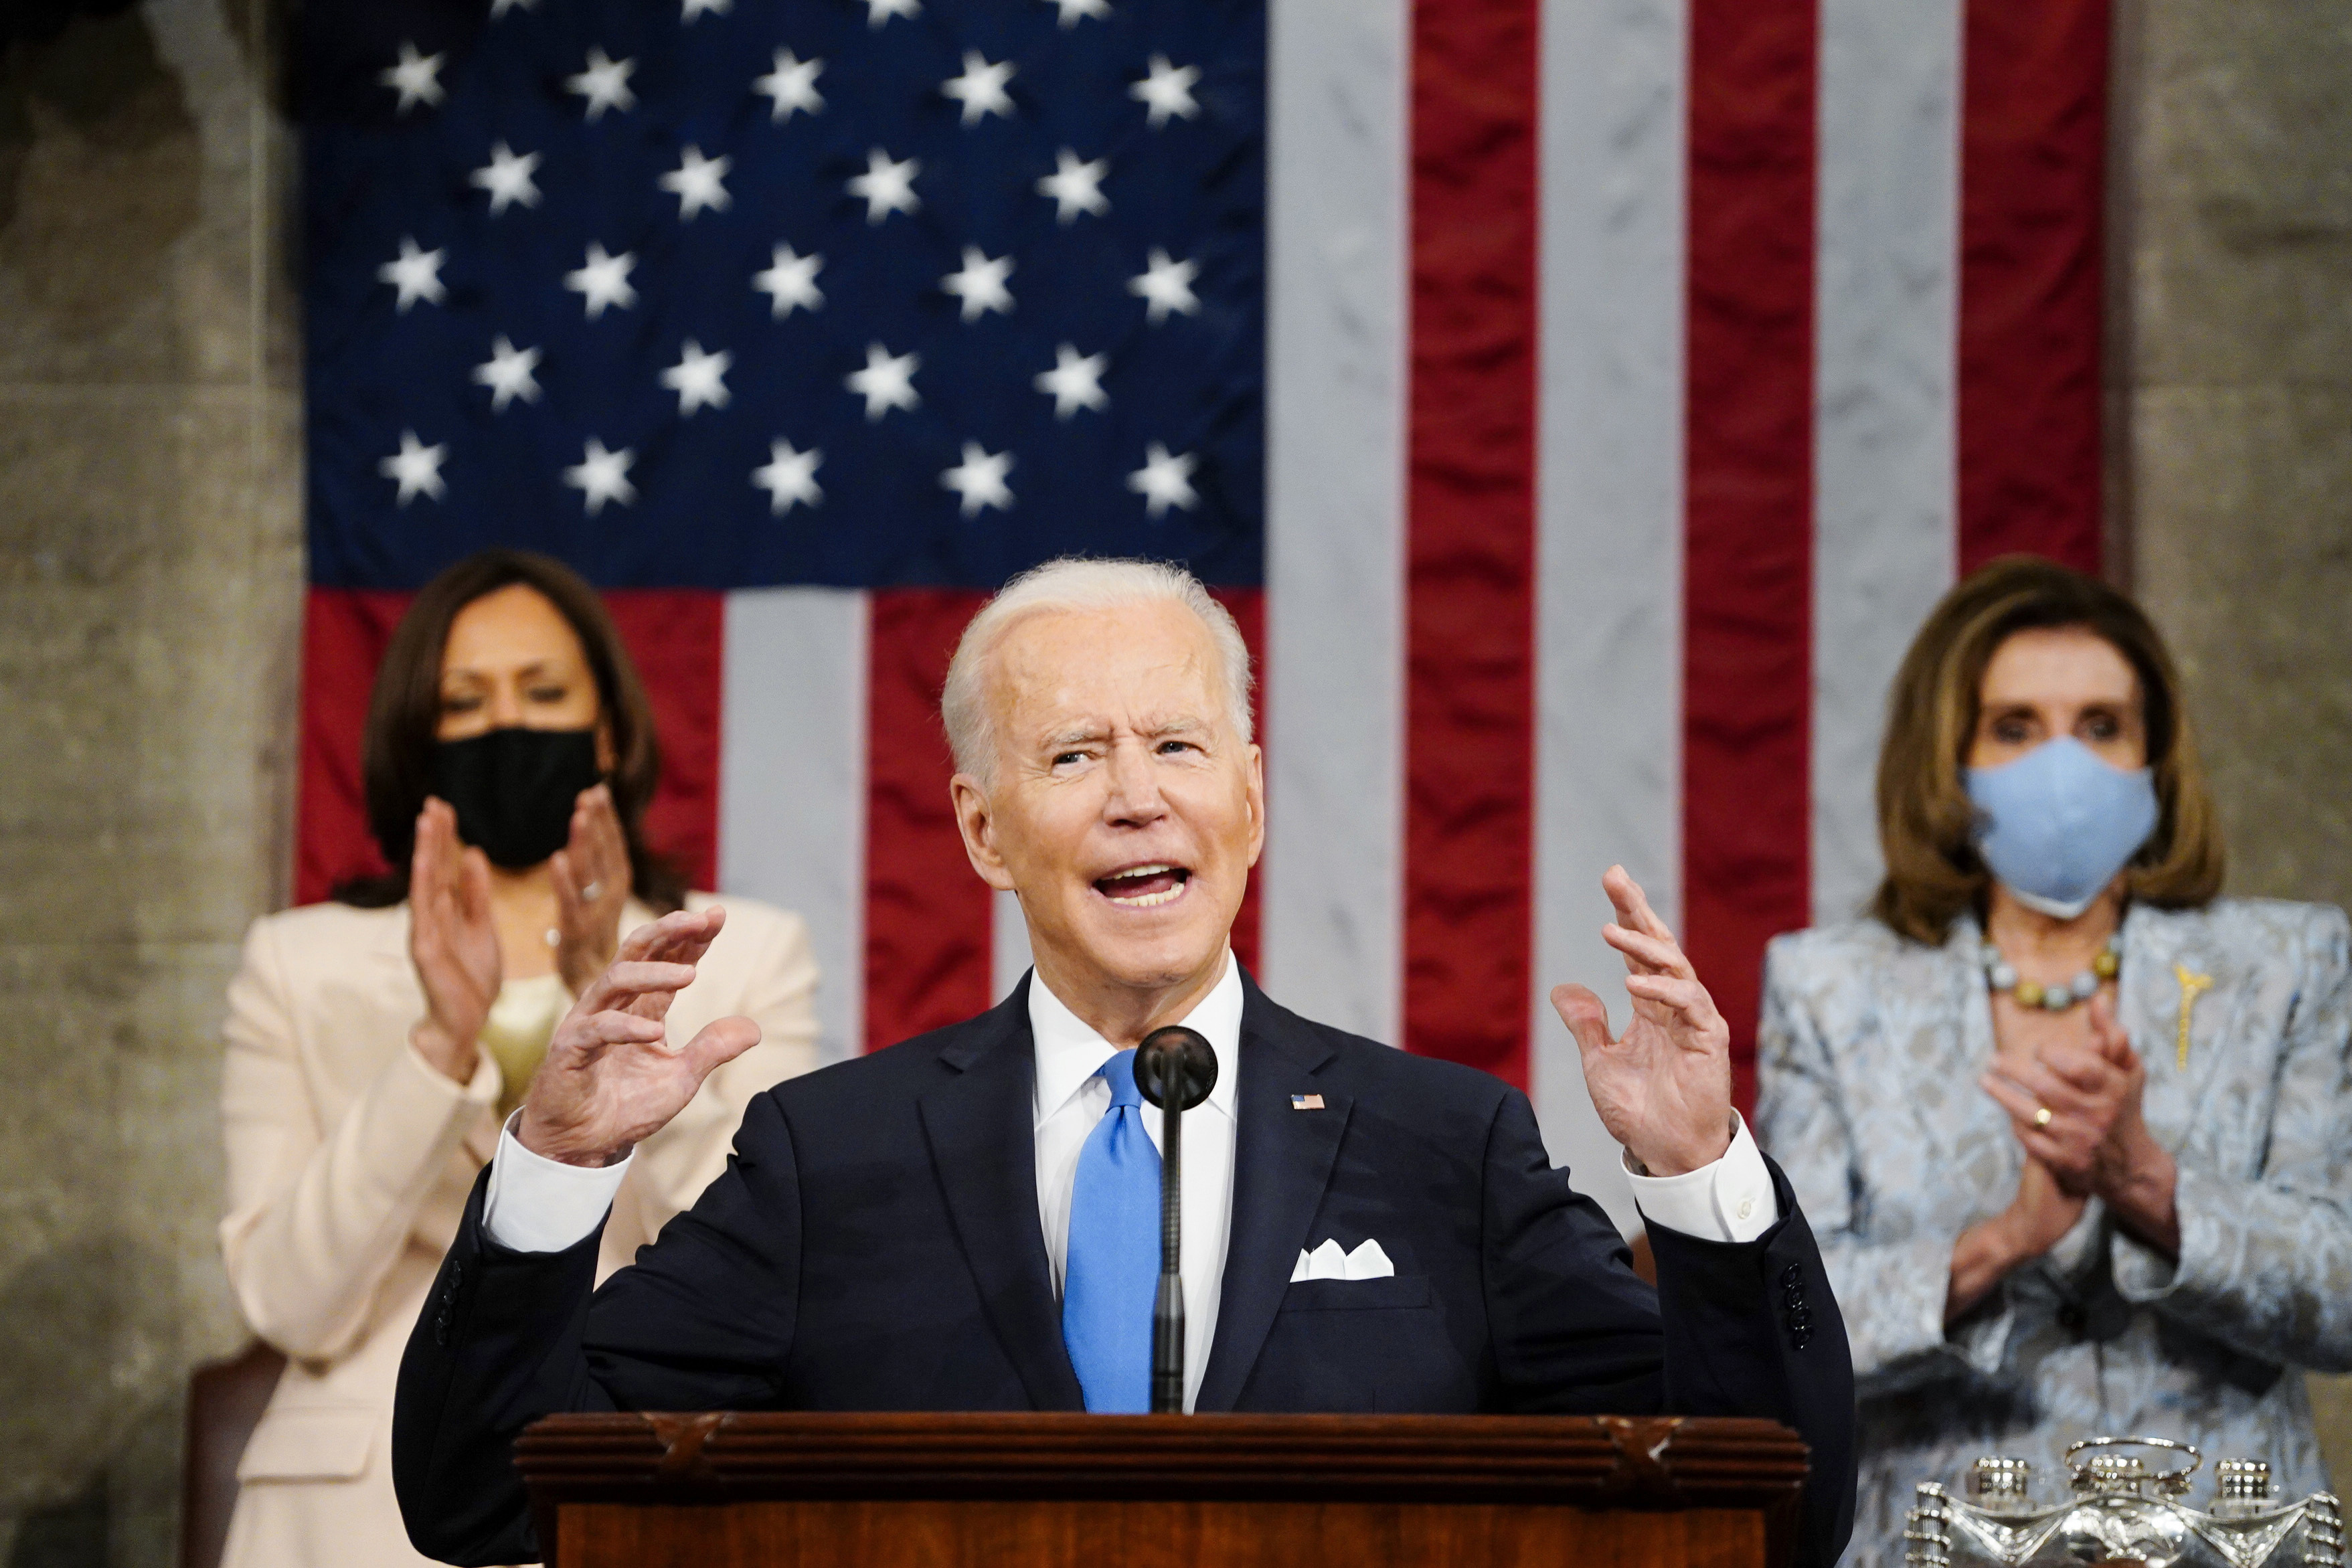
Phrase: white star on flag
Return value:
(698, 378)
(689, 9)
(979, 480)
(417, 468)
(880, 11)
(508, 373)
(886, 383)
(1167, 286)
(508, 178)
(417, 273)
(1167, 91)
(1076, 187)
(790, 281)
(789, 478)
(793, 86)
(603, 281)
(1074, 381)
(696, 184)
(600, 477)
(980, 284)
(1074, 9)
(1164, 481)
(417, 78)
(980, 89)
(604, 84)
(886, 187)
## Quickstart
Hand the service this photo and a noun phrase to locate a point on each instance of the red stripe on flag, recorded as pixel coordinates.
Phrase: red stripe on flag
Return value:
(674, 638)
(343, 635)
(2032, 156)
(1247, 607)
(1470, 537)
(1747, 561)
(678, 638)
(927, 914)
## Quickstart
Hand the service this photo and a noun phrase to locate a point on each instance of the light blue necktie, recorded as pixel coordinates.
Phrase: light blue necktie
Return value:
(1113, 1266)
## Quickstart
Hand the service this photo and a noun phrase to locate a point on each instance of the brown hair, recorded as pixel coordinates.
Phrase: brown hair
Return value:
(404, 717)
(1925, 820)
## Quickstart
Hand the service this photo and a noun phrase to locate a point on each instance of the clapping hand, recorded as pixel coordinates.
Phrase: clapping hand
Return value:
(612, 1078)
(592, 887)
(1663, 1090)
(2077, 1111)
(452, 940)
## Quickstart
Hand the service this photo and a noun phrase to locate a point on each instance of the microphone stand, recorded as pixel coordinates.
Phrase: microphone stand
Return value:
(1168, 1306)
(1175, 1070)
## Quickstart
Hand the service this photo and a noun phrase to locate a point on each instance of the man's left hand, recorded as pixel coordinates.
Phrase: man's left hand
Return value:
(1663, 1090)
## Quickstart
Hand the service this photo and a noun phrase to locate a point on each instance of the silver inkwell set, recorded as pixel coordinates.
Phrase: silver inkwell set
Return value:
(2120, 1511)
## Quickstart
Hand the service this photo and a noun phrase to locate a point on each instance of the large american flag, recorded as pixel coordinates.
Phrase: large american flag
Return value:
(1579, 404)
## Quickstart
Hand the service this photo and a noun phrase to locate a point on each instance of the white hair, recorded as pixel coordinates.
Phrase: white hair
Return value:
(1079, 583)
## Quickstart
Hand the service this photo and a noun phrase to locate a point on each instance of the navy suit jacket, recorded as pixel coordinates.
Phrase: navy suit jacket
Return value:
(874, 1244)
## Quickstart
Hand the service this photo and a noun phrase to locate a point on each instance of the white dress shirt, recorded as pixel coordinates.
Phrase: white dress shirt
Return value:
(1071, 1096)
(538, 1205)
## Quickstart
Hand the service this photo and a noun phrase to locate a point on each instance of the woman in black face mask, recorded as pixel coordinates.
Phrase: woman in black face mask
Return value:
(378, 1044)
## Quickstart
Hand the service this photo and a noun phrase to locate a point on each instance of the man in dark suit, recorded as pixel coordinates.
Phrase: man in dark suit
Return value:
(966, 1220)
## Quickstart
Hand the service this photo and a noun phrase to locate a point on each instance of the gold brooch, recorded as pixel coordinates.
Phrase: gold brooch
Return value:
(2192, 985)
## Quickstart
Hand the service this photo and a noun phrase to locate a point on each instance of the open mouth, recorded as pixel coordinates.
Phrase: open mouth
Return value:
(1144, 886)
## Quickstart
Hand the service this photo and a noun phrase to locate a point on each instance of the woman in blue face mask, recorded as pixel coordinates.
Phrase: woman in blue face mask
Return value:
(2076, 1134)
(377, 1043)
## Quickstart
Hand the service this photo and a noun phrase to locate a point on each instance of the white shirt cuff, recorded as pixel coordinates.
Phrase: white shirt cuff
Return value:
(538, 1205)
(1730, 1200)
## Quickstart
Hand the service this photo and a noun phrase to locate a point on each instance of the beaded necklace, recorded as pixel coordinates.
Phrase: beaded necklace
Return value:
(2002, 976)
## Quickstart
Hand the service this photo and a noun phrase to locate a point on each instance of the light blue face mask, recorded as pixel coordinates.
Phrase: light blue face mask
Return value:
(2057, 825)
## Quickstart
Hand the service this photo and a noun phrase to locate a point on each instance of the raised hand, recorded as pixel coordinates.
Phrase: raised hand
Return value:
(452, 940)
(592, 886)
(612, 1077)
(1663, 1090)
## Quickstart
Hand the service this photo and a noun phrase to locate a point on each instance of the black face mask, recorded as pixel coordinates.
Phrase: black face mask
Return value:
(513, 790)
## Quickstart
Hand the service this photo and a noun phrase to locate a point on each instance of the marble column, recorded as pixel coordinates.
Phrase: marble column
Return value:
(2231, 421)
(149, 605)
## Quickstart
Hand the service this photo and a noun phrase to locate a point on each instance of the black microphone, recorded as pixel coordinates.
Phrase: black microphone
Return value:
(1175, 1070)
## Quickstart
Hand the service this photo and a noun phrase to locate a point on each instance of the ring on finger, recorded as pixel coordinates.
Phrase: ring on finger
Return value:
(2041, 1116)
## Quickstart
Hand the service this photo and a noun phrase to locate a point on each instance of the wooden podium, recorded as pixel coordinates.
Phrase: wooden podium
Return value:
(724, 1491)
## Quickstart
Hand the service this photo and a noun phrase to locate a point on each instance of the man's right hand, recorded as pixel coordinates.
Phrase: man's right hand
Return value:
(612, 1079)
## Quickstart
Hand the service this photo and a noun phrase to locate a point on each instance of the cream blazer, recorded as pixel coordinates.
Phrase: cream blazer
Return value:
(349, 1161)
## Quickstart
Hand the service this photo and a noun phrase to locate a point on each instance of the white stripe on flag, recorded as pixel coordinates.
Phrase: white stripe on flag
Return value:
(791, 799)
(1332, 877)
(1883, 432)
(1008, 945)
(1609, 539)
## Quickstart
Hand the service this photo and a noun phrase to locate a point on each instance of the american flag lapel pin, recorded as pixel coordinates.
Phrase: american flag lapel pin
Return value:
(1307, 1102)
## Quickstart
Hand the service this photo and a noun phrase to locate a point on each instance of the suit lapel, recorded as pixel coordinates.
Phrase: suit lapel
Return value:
(1282, 1162)
(979, 1124)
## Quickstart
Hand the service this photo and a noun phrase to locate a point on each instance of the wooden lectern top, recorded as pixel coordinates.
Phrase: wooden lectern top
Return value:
(634, 1481)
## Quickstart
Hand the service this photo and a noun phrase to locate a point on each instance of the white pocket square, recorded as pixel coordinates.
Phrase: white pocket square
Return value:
(1367, 1262)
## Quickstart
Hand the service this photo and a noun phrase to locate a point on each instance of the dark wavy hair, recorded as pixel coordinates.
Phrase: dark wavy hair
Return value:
(404, 718)
(1926, 824)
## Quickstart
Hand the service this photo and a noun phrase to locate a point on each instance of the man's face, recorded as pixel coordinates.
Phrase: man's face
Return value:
(1126, 809)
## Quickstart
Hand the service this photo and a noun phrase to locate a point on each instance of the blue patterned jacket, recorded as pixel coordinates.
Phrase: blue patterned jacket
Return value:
(1868, 1055)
